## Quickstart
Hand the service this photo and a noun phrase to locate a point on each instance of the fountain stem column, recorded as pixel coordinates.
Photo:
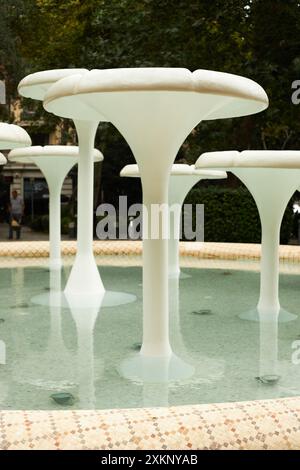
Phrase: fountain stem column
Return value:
(270, 224)
(54, 169)
(155, 268)
(55, 224)
(85, 278)
(179, 187)
(173, 252)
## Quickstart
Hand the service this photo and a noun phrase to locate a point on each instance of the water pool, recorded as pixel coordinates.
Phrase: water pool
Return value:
(46, 351)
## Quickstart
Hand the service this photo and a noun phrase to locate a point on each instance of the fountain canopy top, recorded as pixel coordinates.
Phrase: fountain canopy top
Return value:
(178, 169)
(12, 136)
(215, 94)
(2, 159)
(25, 155)
(36, 84)
(284, 159)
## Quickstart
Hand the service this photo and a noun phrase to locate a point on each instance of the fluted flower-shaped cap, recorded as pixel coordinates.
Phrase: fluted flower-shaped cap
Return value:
(2, 159)
(25, 155)
(178, 169)
(221, 94)
(36, 84)
(12, 136)
(250, 159)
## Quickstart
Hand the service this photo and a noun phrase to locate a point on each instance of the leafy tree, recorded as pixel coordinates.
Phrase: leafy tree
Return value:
(11, 64)
(274, 39)
(254, 38)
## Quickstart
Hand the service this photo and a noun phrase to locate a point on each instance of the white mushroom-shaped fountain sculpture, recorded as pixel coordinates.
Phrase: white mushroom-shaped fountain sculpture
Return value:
(155, 109)
(84, 280)
(55, 162)
(272, 177)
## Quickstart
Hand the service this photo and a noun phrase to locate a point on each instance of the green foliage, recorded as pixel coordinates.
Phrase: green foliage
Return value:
(230, 215)
(40, 223)
(247, 37)
(11, 66)
(259, 39)
(65, 221)
(52, 32)
(11, 63)
(66, 218)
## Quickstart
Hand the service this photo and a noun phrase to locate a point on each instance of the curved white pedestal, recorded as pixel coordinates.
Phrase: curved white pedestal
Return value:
(271, 189)
(283, 315)
(61, 299)
(56, 298)
(149, 369)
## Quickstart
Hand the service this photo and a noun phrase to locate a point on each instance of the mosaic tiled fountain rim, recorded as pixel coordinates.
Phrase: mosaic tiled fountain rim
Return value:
(253, 425)
(262, 424)
(201, 250)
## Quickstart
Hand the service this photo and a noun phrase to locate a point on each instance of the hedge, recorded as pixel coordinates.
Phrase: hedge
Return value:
(230, 215)
(40, 223)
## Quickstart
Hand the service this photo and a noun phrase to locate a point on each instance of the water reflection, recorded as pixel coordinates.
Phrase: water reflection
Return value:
(46, 365)
(3, 383)
(160, 370)
(88, 351)
(2, 352)
(281, 377)
(17, 280)
(161, 376)
(206, 369)
(268, 348)
(85, 322)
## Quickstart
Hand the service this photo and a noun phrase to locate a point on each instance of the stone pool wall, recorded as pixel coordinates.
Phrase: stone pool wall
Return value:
(206, 250)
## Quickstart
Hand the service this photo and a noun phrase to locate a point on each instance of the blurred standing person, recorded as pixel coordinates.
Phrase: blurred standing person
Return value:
(16, 212)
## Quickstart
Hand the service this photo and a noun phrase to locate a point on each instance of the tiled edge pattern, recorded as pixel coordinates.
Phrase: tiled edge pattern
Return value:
(263, 425)
(205, 250)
